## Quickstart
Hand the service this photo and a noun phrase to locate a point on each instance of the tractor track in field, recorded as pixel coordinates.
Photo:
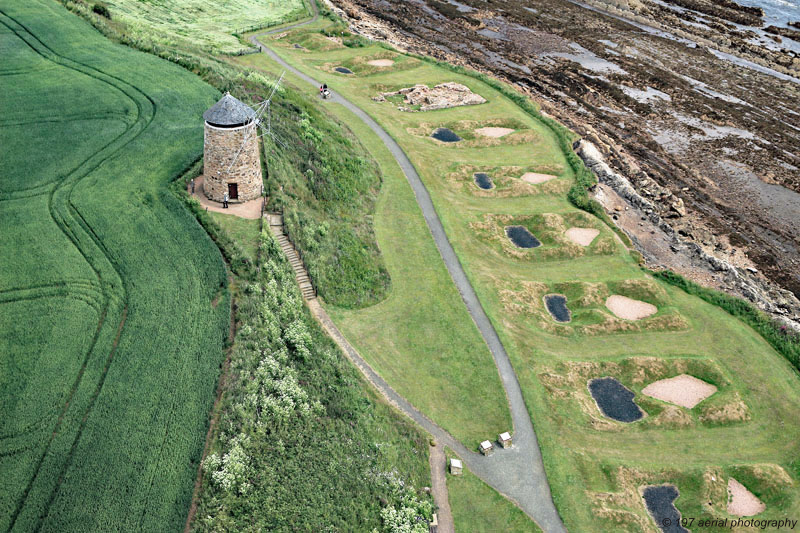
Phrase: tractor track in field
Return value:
(72, 224)
(216, 412)
(63, 118)
(517, 473)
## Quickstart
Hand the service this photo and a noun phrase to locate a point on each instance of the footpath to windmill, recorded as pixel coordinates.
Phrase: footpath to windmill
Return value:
(275, 221)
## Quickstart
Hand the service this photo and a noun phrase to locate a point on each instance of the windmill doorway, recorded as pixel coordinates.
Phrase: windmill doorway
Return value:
(233, 191)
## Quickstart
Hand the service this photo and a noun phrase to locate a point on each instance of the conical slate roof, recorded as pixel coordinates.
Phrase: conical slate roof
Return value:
(229, 112)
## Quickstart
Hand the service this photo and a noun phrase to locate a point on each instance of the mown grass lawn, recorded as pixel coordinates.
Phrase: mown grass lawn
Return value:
(478, 508)
(242, 230)
(750, 424)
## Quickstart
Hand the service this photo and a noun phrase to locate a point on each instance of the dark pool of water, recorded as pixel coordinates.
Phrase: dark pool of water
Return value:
(557, 306)
(445, 135)
(614, 399)
(659, 501)
(343, 70)
(521, 237)
(483, 181)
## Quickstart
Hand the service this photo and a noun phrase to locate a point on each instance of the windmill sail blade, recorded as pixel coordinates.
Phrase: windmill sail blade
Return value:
(263, 107)
(275, 87)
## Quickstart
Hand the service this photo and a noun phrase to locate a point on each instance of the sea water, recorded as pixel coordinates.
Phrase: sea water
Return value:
(776, 12)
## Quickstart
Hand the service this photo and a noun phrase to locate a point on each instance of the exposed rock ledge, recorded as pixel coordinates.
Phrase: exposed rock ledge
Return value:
(780, 303)
(442, 96)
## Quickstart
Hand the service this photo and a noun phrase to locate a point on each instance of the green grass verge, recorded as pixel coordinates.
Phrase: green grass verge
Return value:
(782, 338)
(478, 508)
(241, 230)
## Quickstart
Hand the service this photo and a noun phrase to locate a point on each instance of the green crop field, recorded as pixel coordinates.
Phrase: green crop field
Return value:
(113, 300)
(205, 24)
(595, 465)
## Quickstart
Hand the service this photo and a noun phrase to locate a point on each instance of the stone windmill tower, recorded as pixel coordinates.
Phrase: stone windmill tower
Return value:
(230, 152)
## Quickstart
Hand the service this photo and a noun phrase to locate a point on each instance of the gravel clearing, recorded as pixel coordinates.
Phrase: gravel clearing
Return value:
(582, 236)
(628, 308)
(684, 390)
(742, 502)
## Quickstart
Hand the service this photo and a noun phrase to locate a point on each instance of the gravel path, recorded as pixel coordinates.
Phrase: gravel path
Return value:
(518, 473)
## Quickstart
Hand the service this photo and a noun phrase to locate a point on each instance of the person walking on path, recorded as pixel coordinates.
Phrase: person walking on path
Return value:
(225, 201)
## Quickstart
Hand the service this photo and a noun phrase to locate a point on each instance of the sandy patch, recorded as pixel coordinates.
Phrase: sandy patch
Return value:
(494, 132)
(381, 62)
(684, 390)
(742, 502)
(628, 308)
(535, 178)
(582, 236)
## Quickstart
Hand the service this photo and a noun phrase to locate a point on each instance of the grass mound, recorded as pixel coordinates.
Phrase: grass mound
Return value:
(360, 65)
(586, 302)
(326, 185)
(618, 505)
(507, 182)
(550, 229)
(466, 130)
(567, 394)
(313, 41)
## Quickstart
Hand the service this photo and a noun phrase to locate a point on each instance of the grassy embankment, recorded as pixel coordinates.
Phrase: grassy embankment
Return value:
(114, 301)
(758, 389)
(421, 337)
(302, 443)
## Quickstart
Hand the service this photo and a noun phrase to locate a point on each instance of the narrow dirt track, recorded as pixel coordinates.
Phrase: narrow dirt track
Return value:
(438, 462)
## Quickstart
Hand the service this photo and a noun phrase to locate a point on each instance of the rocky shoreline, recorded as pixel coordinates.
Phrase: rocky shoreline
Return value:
(702, 266)
(675, 120)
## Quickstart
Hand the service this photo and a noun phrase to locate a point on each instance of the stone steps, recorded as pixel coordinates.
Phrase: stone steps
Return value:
(300, 274)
